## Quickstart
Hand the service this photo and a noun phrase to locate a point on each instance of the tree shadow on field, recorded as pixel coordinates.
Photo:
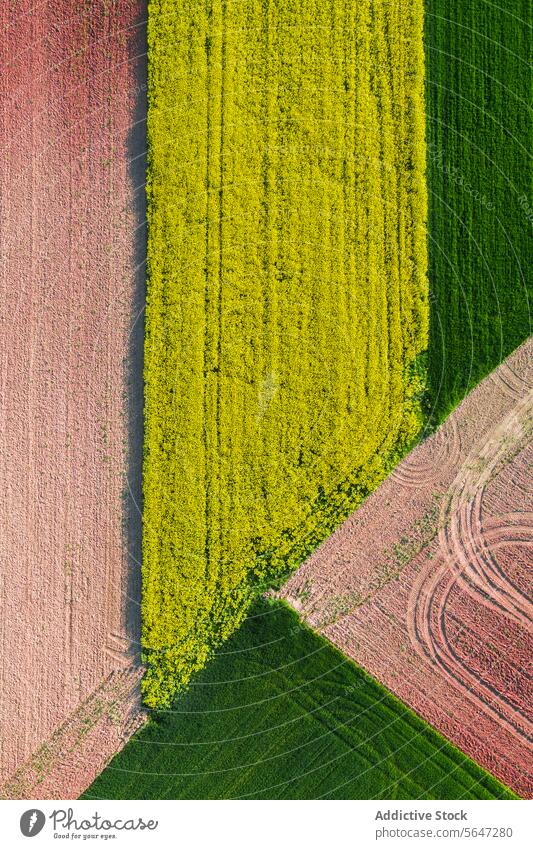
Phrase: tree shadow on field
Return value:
(136, 157)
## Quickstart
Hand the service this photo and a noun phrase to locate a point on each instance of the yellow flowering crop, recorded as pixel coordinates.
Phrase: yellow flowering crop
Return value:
(287, 295)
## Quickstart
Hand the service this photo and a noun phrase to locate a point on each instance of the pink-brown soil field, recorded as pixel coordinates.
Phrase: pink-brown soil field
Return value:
(76, 752)
(428, 584)
(72, 127)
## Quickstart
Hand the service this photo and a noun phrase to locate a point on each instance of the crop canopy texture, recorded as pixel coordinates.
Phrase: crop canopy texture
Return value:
(287, 298)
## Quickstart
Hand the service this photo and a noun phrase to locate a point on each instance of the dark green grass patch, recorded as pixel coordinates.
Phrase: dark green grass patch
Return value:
(479, 180)
(279, 713)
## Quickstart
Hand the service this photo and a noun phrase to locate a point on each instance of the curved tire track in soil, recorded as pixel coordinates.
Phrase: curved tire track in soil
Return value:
(467, 549)
(427, 630)
(513, 384)
(461, 535)
(417, 469)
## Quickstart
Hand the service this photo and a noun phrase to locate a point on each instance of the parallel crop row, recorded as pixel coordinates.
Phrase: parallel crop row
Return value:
(287, 299)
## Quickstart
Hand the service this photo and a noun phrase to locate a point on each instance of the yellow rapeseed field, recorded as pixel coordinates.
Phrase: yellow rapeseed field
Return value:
(287, 295)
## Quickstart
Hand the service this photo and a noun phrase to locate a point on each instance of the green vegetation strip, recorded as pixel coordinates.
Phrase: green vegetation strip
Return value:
(480, 189)
(279, 713)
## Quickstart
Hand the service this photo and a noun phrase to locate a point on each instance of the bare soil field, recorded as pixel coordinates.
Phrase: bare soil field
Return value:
(72, 128)
(427, 584)
(76, 752)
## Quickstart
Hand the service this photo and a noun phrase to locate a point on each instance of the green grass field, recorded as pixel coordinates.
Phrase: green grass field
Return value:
(279, 713)
(479, 182)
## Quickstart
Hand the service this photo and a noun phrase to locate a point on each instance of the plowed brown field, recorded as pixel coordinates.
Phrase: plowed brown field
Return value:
(72, 143)
(427, 584)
